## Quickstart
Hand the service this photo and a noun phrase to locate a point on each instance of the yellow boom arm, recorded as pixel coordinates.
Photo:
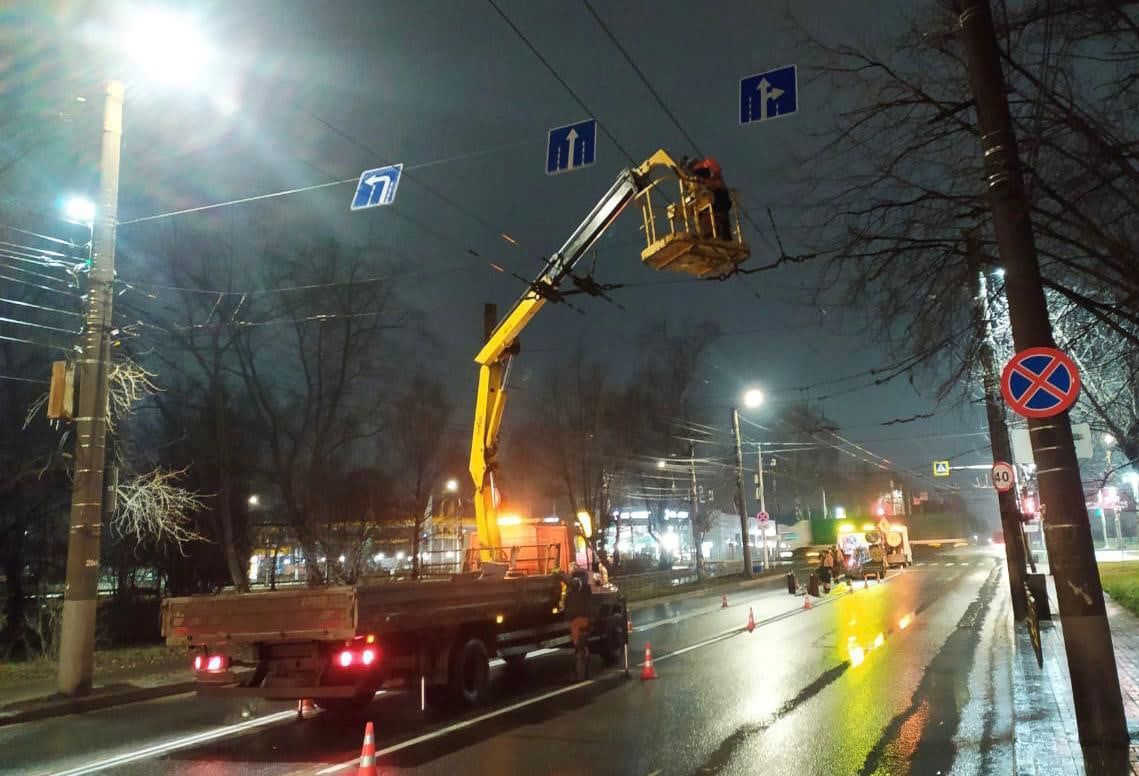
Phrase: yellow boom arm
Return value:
(495, 357)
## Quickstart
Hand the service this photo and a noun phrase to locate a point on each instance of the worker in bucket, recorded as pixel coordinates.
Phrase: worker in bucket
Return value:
(712, 177)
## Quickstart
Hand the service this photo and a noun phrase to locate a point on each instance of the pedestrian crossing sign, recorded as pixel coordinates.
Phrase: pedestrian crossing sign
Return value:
(941, 468)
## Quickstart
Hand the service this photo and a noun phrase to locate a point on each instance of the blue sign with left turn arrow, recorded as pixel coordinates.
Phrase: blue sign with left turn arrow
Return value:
(377, 187)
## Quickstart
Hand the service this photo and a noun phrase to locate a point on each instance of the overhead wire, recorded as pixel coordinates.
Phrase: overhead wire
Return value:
(557, 76)
(668, 111)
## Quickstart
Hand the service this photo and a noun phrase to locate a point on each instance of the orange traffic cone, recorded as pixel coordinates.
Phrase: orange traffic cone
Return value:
(648, 672)
(368, 753)
(723, 602)
(750, 620)
(305, 708)
(806, 601)
(628, 624)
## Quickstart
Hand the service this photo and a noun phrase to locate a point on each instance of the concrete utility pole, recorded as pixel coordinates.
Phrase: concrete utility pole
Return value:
(740, 493)
(762, 497)
(998, 432)
(693, 516)
(1087, 638)
(80, 592)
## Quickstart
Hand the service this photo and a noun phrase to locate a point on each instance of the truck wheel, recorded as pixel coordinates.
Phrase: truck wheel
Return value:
(470, 673)
(613, 640)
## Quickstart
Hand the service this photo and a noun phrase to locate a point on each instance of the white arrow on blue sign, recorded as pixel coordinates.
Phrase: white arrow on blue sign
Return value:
(571, 147)
(377, 187)
(770, 95)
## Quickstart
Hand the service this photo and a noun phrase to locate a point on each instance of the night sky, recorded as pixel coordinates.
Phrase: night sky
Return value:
(303, 93)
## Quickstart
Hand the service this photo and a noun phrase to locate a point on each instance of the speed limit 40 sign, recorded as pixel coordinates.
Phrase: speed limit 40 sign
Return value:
(1003, 476)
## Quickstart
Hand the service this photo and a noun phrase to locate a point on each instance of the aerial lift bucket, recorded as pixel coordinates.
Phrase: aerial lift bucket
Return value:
(685, 235)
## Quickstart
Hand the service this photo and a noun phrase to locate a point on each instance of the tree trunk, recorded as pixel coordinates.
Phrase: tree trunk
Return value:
(13, 565)
(416, 527)
(225, 484)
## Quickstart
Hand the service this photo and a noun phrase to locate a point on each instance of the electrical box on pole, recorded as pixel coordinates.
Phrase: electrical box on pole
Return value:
(61, 395)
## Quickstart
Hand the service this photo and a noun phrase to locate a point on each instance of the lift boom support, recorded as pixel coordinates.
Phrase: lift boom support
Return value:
(702, 256)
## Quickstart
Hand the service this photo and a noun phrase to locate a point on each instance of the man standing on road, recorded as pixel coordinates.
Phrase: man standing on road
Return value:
(578, 599)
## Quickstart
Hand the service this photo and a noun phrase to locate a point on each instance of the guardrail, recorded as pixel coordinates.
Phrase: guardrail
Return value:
(674, 577)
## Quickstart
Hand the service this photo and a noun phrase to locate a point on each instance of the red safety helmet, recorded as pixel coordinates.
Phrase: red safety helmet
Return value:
(709, 164)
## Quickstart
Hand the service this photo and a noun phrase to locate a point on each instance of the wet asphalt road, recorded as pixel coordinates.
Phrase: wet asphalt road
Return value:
(900, 677)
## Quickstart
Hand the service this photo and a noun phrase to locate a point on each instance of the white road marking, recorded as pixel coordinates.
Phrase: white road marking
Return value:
(461, 725)
(241, 727)
(721, 636)
(179, 743)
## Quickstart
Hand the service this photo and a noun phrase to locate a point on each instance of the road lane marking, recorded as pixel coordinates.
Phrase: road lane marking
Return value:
(721, 636)
(241, 727)
(179, 743)
(460, 725)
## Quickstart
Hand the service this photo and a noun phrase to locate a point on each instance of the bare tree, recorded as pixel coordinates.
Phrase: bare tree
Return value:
(661, 404)
(315, 358)
(899, 186)
(416, 443)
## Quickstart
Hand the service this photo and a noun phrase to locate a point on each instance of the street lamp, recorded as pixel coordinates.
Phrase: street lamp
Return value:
(158, 45)
(752, 398)
(662, 463)
(166, 46)
(79, 210)
(254, 500)
(452, 485)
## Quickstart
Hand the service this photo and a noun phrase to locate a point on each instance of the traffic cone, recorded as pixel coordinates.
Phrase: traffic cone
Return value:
(648, 672)
(750, 620)
(368, 753)
(628, 624)
(806, 601)
(305, 708)
(723, 602)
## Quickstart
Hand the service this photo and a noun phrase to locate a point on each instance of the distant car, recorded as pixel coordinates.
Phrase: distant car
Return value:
(998, 537)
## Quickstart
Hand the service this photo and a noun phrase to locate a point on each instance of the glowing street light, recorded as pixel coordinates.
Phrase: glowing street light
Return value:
(254, 500)
(452, 485)
(79, 210)
(166, 46)
(662, 463)
(753, 397)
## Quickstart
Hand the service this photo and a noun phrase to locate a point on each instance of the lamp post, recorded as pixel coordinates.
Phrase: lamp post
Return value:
(752, 398)
(169, 48)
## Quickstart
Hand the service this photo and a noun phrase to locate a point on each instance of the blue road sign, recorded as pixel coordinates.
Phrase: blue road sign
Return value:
(377, 187)
(770, 95)
(571, 146)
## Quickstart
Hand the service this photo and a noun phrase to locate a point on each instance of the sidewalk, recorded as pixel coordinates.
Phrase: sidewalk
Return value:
(32, 699)
(1046, 739)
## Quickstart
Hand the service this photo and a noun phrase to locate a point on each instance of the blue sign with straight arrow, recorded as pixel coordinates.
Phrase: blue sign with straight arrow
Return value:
(571, 147)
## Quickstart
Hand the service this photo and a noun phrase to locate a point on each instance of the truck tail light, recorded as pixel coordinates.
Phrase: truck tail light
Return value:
(363, 657)
(213, 664)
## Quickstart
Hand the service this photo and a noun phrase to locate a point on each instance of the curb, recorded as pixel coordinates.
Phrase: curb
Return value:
(56, 707)
(738, 584)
